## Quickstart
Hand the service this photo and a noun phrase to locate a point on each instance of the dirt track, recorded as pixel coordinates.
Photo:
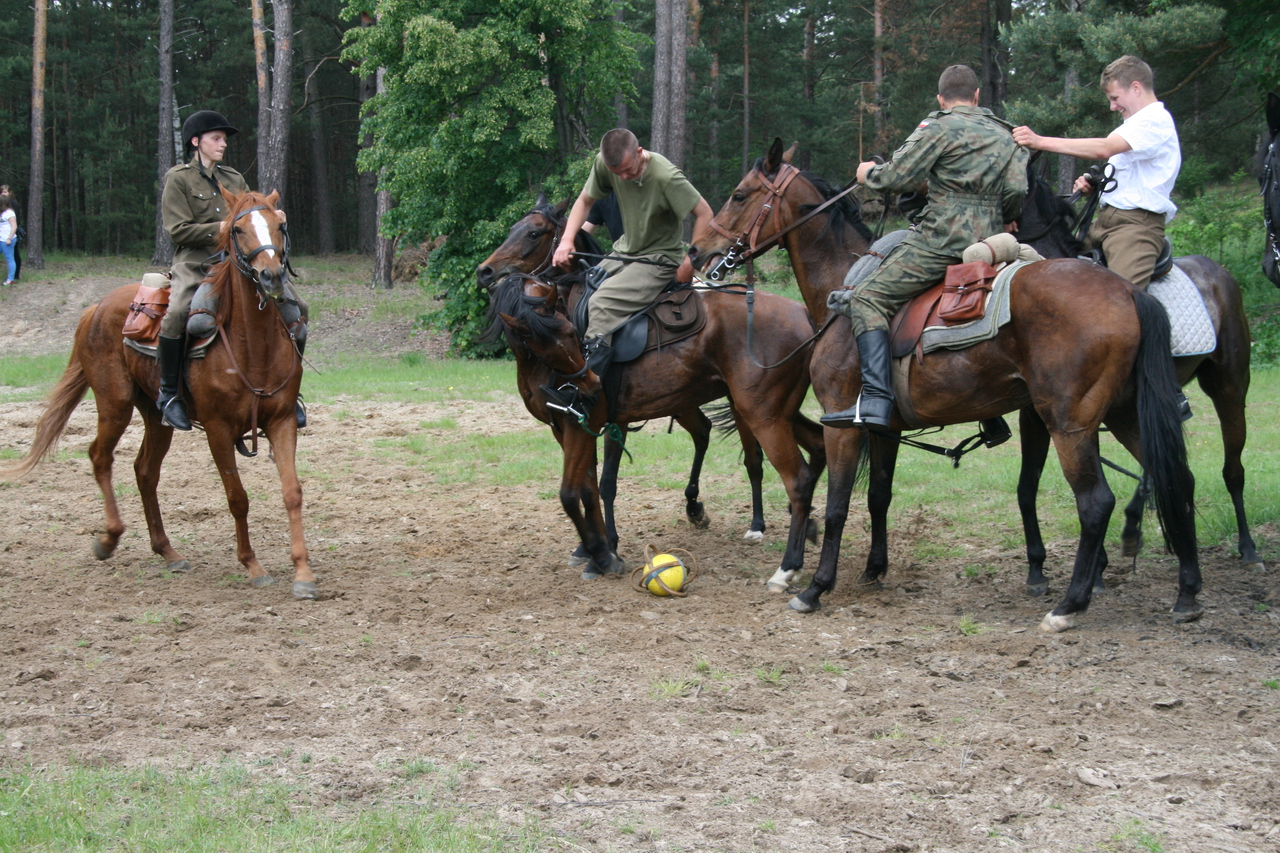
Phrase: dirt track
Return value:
(449, 630)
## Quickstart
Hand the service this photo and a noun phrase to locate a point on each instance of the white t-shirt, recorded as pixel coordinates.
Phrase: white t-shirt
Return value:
(1145, 174)
(8, 224)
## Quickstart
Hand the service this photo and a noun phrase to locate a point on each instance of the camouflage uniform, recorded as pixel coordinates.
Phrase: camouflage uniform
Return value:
(977, 178)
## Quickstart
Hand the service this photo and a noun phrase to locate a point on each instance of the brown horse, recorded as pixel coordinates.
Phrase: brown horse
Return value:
(247, 380)
(1083, 345)
(1223, 375)
(673, 381)
(527, 250)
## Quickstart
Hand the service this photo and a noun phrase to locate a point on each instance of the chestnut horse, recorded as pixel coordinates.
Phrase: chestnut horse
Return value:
(247, 380)
(1223, 375)
(1082, 346)
(671, 382)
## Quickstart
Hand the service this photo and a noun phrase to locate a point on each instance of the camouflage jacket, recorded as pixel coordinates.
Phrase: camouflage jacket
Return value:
(977, 177)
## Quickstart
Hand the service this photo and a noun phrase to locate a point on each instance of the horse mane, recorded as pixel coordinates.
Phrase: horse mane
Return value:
(846, 213)
(223, 276)
(507, 297)
(1052, 213)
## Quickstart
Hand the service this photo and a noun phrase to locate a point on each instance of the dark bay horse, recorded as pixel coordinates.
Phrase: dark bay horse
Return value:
(1269, 180)
(1083, 346)
(1223, 375)
(247, 380)
(527, 250)
(672, 381)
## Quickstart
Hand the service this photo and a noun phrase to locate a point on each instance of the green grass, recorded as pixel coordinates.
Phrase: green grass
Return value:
(230, 807)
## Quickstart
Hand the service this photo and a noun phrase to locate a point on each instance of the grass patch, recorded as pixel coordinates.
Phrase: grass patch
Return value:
(230, 807)
(971, 627)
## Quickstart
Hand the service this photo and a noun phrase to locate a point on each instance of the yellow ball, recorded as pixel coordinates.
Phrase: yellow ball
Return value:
(664, 569)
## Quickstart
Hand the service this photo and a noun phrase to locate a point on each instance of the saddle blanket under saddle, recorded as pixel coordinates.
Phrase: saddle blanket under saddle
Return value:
(1194, 332)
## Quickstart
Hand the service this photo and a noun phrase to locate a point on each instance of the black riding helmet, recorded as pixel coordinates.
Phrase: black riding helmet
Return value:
(203, 121)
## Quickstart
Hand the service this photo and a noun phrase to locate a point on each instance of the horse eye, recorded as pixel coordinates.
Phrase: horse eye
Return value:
(739, 198)
(534, 235)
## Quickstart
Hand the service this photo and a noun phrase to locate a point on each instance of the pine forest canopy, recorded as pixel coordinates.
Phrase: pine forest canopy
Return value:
(484, 103)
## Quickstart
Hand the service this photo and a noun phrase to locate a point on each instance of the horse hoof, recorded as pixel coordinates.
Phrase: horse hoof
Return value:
(699, 518)
(866, 580)
(1181, 617)
(1131, 547)
(1255, 566)
(304, 589)
(178, 567)
(1035, 590)
(753, 536)
(799, 605)
(780, 582)
(593, 570)
(262, 580)
(577, 561)
(102, 552)
(1051, 624)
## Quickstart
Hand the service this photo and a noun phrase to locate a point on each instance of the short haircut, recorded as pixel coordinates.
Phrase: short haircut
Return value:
(1126, 71)
(958, 83)
(617, 144)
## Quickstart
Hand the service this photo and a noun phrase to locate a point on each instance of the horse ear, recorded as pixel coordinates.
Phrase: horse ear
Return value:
(562, 206)
(232, 198)
(274, 199)
(541, 200)
(512, 323)
(1273, 113)
(773, 159)
(790, 152)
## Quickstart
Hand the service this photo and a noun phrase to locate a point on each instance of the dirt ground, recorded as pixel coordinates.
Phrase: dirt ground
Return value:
(450, 640)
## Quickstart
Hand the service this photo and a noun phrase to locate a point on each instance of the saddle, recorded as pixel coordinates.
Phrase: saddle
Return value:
(959, 298)
(142, 325)
(677, 314)
(1164, 261)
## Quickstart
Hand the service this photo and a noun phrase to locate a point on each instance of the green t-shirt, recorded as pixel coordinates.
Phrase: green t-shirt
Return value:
(653, 209)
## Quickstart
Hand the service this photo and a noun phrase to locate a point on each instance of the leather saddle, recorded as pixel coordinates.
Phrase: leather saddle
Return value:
(1164, 261)
(677, 314)
(959, 298)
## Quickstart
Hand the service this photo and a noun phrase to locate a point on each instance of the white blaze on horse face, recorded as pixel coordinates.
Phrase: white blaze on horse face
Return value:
(262, 231)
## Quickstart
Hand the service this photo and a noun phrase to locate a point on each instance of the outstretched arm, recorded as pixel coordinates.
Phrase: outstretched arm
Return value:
(563, 257)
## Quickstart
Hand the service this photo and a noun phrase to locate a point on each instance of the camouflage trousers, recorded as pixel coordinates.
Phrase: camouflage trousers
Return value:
(906, 271)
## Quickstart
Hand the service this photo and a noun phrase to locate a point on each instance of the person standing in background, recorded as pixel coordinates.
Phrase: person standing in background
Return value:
(8, 234)
(17, 243)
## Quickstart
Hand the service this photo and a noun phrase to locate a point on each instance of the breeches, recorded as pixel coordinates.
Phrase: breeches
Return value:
(907, 271)
(1131, 240)
(186, 276)
(629, 289)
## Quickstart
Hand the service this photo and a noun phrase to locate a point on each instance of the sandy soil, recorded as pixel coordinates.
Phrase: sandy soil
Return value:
(450, 631)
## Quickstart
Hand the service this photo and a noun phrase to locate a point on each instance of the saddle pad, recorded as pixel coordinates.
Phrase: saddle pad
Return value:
(1193, 328)
(982, 329)
(196, 350)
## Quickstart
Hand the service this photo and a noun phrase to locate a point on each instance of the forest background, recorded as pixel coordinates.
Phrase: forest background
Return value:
(425, 119)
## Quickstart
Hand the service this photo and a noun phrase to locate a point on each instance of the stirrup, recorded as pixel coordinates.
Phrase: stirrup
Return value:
(1184, 407)
(853, 418)
(300, 412)
(183, 424)
(566, 399)
(994, 431)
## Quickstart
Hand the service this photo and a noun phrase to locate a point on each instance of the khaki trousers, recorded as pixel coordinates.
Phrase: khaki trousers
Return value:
(185, 276)
(629, 289)
(1131, 240)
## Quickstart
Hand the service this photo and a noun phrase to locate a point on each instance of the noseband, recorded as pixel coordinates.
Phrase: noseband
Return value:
(243, 262)
(746, 242)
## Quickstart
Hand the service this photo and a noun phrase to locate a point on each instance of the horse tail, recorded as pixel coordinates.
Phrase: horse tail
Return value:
(1164, 450)
(66, 395)
(722, 418)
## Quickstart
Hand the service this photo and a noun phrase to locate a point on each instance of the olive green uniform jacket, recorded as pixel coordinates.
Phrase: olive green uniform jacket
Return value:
(192, 208)
(977, 177)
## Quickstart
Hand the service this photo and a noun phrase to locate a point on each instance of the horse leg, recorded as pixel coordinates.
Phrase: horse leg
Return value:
(1035, 449)
(884, 461)
(809, 434)
(222, 447)
(156, 438)
(753, 461)
(1081, 465)
(1131, 537)
(609, 484)
(698, 425)
(580, 498)
(1228, 388)
(844, 447)
(784, 454)
(283, 435)
(112, 422)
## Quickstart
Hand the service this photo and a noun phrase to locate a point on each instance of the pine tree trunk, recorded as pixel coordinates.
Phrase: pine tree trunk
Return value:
(677, 95)
(163, 254)
(272, 174)
(384, 255)
(659, 126)
(619, 102)
(367, 182)
(746, 85)
(35, 190)
(319, 163)
(263, 74)
(877, 72)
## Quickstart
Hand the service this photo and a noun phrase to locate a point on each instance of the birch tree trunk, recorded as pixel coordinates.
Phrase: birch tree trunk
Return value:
(35, 187)
(163, 253)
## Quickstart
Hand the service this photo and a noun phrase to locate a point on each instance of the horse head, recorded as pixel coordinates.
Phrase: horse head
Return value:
(531, 311)
(256, 240)
(528, 245)
(1047, 221)
(771, 197)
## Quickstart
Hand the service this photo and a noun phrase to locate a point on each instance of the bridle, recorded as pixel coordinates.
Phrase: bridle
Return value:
(243, 262)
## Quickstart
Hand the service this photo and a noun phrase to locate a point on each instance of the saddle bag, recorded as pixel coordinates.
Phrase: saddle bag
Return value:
(147, 308)
(964, 292)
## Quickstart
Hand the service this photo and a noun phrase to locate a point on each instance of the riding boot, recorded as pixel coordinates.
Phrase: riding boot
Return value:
(300, 408)
(994, 431)
(1184, 407)
(599, 356)
(874, 407)
(567, 398)
(173, 411)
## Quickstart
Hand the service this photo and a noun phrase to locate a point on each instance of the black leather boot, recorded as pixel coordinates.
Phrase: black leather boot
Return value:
(995, 431)
(599, 356)
(1184, 407)
(874, 407)
(173, 411)
(567, 398)
(300, 408)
